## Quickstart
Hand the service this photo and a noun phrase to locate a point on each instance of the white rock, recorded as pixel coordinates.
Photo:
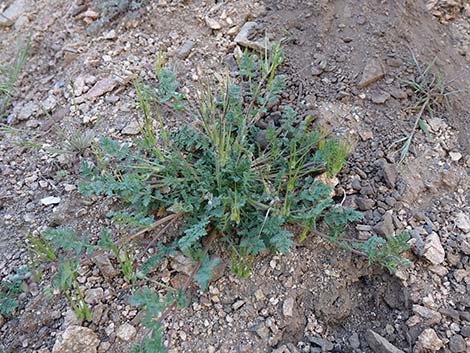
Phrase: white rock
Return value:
(429, 340)
(76, 339)
(288, 307)
(213, 24)
(455, 156)
(133, 128)
(462, 221)
(50, 200)
(433, 250)
(126, 332)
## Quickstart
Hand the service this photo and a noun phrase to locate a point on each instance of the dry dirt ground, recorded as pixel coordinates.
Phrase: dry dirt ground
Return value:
(82, 60)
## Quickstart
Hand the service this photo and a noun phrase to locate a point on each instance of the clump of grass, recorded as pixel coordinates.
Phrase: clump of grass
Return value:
(216, 179)
(9, 75)
(431, 96)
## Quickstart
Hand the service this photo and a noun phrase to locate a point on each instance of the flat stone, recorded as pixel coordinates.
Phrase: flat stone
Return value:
(50, 200)
(288, 307)
(455, 156)
(185, 49)
(431, 317)
(213, 24)
(390, 174)
(364, 203)
(462, 221)
(325, 345)
(433, 250)
(28, 110)
(133, 128)
(429, 340)
(379, 344)
(105, 266)
(15, 10)
(76, 339)
(126, 332)
(385, 228)
(380, 98)
(457, 344)
(354, 340)
(93, 295)
(373, 71)
(242, 37)
(101, 87)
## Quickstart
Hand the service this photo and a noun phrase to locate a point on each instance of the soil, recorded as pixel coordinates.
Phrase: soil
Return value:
(316, 298)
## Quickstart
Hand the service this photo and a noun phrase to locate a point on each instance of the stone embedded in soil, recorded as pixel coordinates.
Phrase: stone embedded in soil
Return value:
(364, 203)
(373, 71)
(76, 339)
(462, 221)
(27, 111)
(126, 332)
(457, 344)
(379, 344)
(433, 250)
(455, 156)
(50, 200)
(429, 340)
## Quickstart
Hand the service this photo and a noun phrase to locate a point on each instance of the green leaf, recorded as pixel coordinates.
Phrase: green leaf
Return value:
(204, 273)
(193, 234)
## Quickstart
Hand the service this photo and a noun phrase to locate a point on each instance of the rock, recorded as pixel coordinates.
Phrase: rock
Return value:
(354, 341)
(49, 104)
(238, 304)
(385, 228)
(93, 295)
(433, 250)
(455, 156)
(379, 344)
(462, 221)
(366, 135)
(76, 339)
(101, 87)
(390, 175)
(457, 344)
(105, 266)
(437, 124)
(325, 345)
(126, 332)
(185, 49)
(431, 317)
(70, 319)
(262, 331)
(380, 98)
(213, 24)
(133, 128)
(452, 313)
(364, 203)
(50, 200)
(27, 111)
(464, 331)
(242, 37)
(373, 71)
(2, 321)
(111, 35)
(15, 10)
(288, 307)
(429, 340)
